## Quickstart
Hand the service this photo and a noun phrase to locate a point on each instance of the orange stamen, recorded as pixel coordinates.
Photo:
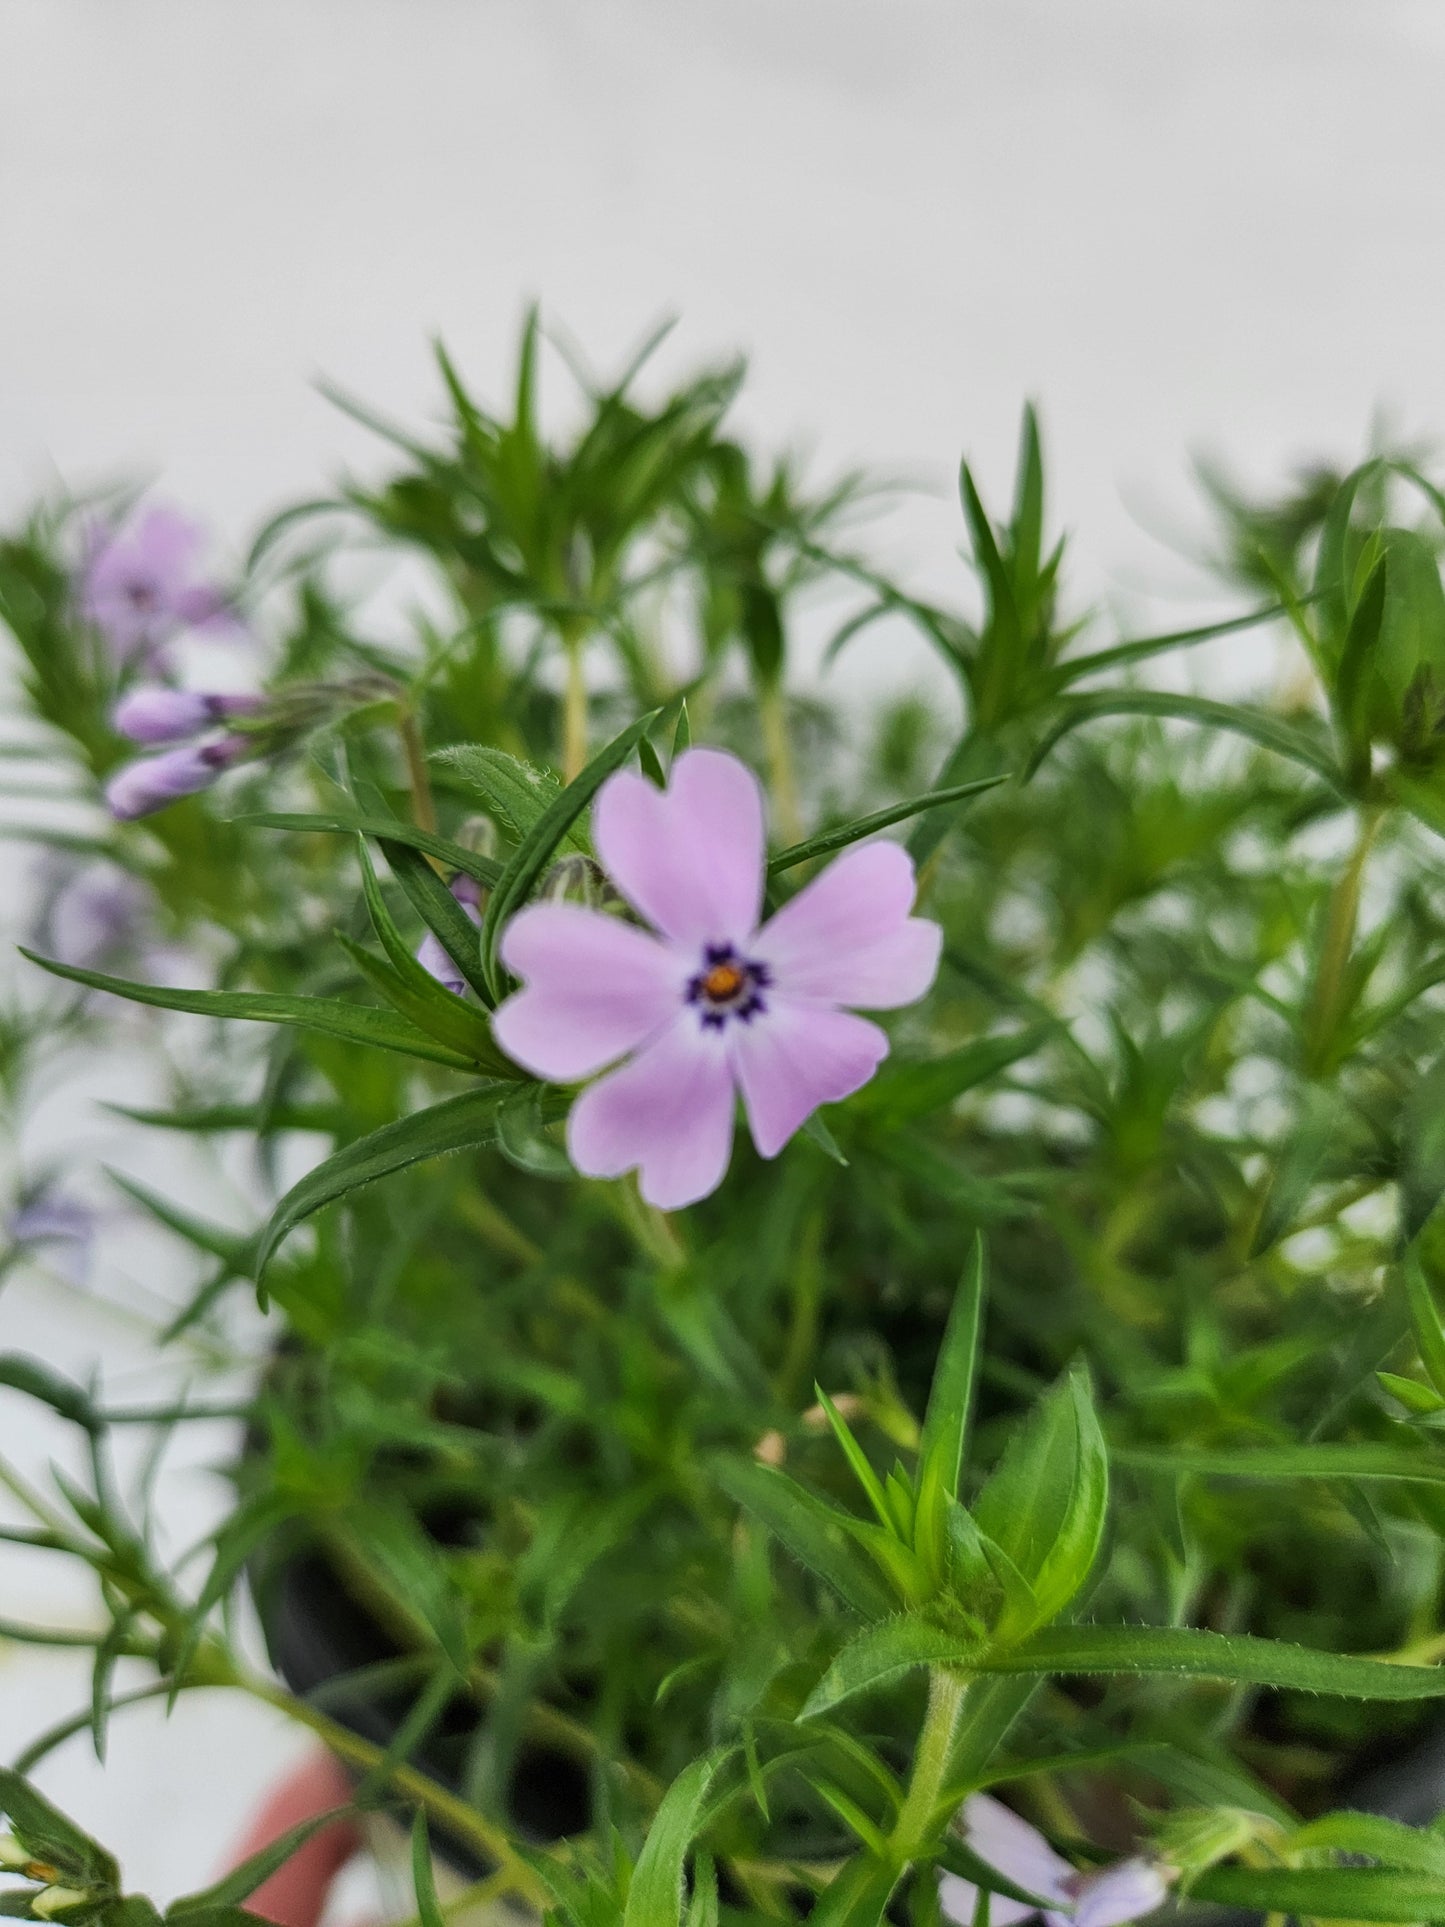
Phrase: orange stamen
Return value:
(724, 980)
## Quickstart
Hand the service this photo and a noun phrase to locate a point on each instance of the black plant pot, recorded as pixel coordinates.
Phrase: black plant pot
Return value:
(317, 1634)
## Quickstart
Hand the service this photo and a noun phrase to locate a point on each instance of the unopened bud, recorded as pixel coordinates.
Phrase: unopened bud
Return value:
(574, 879)
(12, 1854)
(55, 1900)
(478, 833)
(150, 783)
(152, 714)
(433, 956)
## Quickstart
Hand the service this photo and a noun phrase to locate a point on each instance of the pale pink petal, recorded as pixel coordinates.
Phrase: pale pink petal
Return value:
(959, 1900)
(690, 857)
(792, 1057)
(847, 937)
(1006, 1841)
(669, 1111)
(1126, 1891)
(1016, 1850)
(595, 989)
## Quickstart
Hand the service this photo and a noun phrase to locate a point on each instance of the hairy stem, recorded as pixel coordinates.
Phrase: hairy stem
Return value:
(917, 1818)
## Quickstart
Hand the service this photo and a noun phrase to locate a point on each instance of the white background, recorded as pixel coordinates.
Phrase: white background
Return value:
(1180, 227)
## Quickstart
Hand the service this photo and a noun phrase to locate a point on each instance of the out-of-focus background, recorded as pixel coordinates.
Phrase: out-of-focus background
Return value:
(1183, 229)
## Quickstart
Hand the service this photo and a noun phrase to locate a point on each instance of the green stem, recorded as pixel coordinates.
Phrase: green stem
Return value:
(652, 1230)
(1339, 939)
(423, 809)
(440, 1804)
(574, 712)
(773, 716)
(917, 1819)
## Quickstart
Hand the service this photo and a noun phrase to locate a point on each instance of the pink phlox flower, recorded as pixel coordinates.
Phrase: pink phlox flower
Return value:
(1100, 1897)
(710, 1002)
(142, 582)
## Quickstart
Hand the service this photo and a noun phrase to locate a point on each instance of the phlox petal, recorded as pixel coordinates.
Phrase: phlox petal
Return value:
(794, 1057)
(847, 937)
(689, 857)
(958, 1899)
(1126, 1891)
(437, 962)
(595, 989)
(1018, 1851)
(668, 1112)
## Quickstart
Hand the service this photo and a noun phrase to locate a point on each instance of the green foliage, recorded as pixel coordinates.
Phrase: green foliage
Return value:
(756, 1528)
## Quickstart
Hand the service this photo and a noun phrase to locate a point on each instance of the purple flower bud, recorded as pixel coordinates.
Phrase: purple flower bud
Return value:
(436, 963)
(151, 782)
(152, 714)
(432, 956)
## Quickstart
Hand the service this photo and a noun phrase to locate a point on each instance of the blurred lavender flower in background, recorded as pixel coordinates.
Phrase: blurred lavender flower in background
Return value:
(62, 1226)
(141, 583)
(91, 915)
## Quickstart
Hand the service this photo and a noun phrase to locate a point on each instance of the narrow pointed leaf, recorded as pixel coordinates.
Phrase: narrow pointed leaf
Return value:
(1235, 1658)
(815, 1533)
(1275, 733)
(243, 1880)
(455, 856)
(1329, 1893)
(827, 841)
(330, 1016)
(532, 856)
(458, 1124)
(656, 1894)
(950, 1401)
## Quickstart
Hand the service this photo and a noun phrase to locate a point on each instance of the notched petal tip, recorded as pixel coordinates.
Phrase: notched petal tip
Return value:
(690, 857)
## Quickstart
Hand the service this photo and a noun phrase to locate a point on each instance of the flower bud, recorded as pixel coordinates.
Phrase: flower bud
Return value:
(478, 833)
(152, 714)
(574, 879)
(431, 954)
(12, 1854)
(150, 783)
(55, 1900)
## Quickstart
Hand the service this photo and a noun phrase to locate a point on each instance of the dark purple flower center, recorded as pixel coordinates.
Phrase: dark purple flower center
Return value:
(728, 985)
(141, 594)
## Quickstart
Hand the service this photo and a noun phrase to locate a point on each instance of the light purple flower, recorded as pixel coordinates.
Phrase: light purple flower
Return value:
(93, 915)
(49, 1218)
(1100, 1897)
(141, 582)
(151, 782)
(155, 714)
(432, 957)
(712, 1004)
